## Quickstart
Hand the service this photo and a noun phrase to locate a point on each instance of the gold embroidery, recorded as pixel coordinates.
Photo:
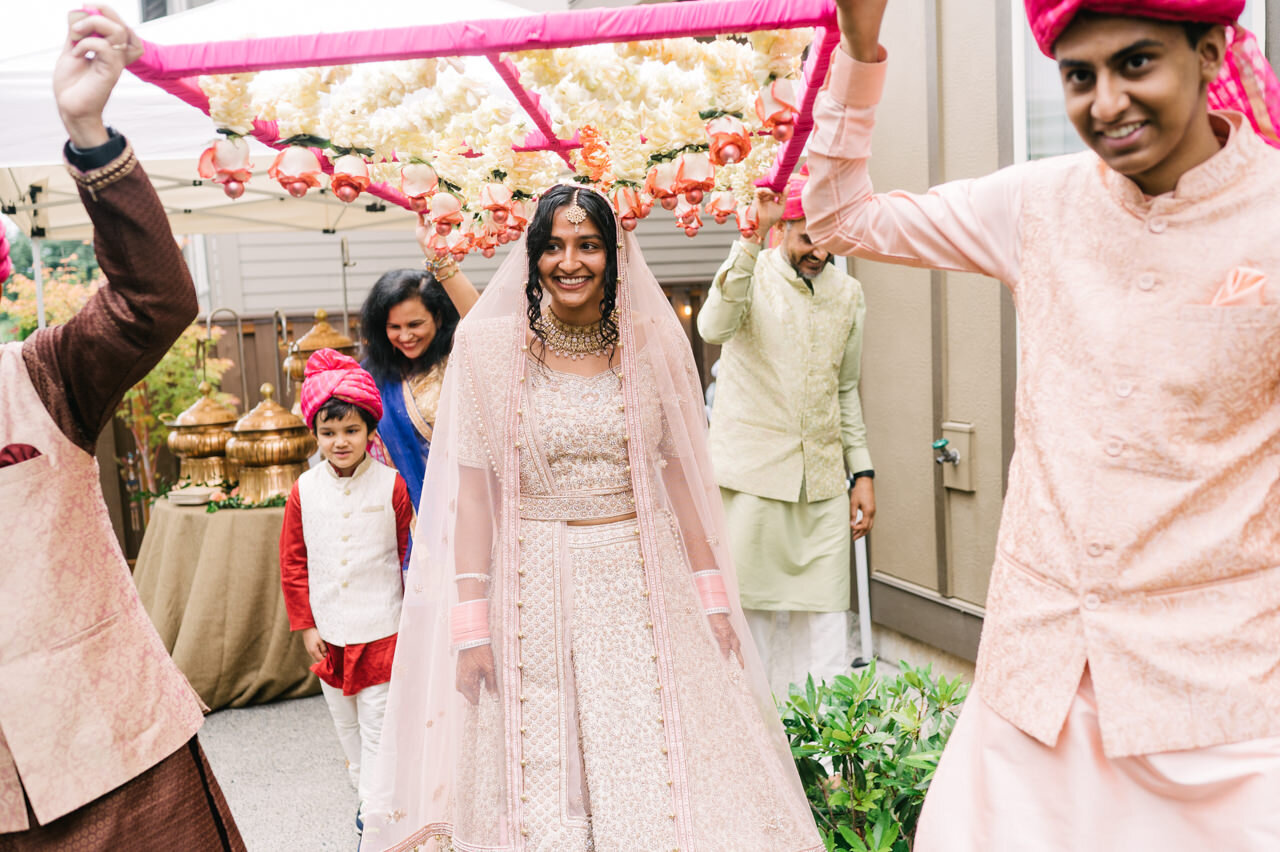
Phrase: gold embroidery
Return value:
(422, 398)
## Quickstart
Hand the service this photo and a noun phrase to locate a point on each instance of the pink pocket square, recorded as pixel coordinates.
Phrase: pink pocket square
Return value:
(1244, 287)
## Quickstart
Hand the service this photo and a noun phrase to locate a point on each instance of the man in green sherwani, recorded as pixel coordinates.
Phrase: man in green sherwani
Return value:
(787, 437)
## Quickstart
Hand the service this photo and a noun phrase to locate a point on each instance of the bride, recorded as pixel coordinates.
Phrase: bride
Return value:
(570, 673)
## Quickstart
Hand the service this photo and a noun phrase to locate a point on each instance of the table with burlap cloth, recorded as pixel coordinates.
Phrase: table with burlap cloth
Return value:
(211, 584)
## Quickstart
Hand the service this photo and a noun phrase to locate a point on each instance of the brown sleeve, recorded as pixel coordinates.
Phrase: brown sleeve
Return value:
(82, 369)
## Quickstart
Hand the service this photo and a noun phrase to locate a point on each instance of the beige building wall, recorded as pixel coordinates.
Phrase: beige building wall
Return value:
(937, 344)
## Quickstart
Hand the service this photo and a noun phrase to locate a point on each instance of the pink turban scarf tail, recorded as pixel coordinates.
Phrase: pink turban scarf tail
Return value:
(332, 374)
(1246, 83)
(793, 208)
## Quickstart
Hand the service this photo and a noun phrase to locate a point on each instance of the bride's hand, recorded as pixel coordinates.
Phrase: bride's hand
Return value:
(725, 637)
(475, 669)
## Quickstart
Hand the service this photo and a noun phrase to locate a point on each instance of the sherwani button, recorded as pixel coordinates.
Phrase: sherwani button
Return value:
(1158, 226)
(1094, 549)
(1092, 601)
(347, 491)
(1124, 389)
(1114, 447)
(346, 514)
(1146, 281)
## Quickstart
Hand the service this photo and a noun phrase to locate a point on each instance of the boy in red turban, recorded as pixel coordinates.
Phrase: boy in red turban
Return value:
(346, 531)
(1128, 680)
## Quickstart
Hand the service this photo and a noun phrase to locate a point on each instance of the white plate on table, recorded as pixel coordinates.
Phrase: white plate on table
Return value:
(195, 496)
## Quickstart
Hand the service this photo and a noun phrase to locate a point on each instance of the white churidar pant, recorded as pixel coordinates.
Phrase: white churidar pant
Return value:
(358, 720)
(795, 644)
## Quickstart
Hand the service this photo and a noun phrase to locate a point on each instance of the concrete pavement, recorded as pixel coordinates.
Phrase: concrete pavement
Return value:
(284, 776)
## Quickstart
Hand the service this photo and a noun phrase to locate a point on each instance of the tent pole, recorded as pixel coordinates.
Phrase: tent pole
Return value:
(37, 269)
(346, 261)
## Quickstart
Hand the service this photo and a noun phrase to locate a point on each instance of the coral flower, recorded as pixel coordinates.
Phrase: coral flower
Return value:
(748, 220)
(350, 177)
(496, 198)
(688, 216)
(519, 216)
(296, 169)
(659, 183)
(458, 243)
(446, 211)
(722, 205)
(728, 138)
(418, 182)
(630, 205)
(777, 107)
(694, 176)
(595, 155)
(226, 161)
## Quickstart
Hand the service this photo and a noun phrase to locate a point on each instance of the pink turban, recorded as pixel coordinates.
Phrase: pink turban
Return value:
(6, 266)
(332, 374)
(793, 209)
(1048, 18)
(1246, 83)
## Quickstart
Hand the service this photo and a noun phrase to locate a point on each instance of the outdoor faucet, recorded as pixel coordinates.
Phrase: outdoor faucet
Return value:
(945, 455)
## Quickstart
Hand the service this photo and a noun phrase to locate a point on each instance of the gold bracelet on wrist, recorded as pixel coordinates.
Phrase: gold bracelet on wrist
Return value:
(440, 267)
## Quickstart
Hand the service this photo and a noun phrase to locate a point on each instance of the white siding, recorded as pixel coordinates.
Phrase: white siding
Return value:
(257, 273)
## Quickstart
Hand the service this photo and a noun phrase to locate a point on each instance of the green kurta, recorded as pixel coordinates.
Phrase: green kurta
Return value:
(786, 427)
(790, 556)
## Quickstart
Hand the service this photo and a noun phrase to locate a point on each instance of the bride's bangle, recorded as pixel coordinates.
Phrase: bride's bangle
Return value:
(468, 624)
(712, 591)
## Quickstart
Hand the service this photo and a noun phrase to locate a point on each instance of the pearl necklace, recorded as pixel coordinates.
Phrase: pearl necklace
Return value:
(574, 342)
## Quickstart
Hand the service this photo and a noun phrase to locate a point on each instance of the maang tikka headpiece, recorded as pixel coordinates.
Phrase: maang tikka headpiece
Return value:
(576, 213)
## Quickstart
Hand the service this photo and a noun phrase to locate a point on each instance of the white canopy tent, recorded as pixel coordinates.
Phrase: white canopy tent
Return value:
(168, 135)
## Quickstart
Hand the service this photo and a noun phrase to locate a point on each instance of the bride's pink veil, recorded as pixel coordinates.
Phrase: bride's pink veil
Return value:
(451, 769)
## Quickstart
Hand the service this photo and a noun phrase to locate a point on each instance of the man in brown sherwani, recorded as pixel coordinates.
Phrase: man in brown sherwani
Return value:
(97, 726)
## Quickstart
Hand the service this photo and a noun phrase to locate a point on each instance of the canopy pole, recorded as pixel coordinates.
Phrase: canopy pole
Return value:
(532, 104)
(37, 270)
(346, 262)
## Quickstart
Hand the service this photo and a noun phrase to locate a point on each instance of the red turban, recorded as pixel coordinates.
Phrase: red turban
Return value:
(331, 374)
(794, 209)
(1246, 83)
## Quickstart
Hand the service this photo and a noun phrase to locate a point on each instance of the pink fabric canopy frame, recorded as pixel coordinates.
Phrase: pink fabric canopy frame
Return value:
(175, 68)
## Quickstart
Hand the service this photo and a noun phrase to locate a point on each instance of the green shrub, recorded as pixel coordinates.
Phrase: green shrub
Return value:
(866, 748)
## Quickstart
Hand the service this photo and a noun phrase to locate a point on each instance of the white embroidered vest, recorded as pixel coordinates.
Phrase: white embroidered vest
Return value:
(89, 697)
(353, 559)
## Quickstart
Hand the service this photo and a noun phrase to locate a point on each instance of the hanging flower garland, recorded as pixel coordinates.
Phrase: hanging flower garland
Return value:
(685, 123)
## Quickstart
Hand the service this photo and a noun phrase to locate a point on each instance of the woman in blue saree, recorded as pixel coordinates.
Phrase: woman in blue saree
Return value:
(408, 320)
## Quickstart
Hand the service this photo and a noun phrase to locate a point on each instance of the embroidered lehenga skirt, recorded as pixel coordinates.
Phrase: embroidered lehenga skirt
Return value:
(604, 762)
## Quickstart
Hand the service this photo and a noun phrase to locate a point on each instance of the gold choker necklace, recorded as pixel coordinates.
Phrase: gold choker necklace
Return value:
(570, 341)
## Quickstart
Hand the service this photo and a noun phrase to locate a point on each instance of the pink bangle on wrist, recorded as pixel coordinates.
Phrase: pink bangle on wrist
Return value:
(711, 591)
(469, 624)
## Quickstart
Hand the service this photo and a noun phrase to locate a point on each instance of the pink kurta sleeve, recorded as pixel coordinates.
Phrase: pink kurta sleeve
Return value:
(964, 225)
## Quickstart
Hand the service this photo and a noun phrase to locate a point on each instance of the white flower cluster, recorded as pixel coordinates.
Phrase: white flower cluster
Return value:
(643, 98)
(229, 103)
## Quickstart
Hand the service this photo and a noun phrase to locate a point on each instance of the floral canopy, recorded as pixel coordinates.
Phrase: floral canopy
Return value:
(686, 105)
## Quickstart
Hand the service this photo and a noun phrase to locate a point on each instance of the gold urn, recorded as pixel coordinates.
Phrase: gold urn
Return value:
(271, 446)
(198, 438)
(319, 336)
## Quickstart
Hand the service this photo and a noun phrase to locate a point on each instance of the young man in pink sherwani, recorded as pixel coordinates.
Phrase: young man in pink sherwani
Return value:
(1128, 681)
